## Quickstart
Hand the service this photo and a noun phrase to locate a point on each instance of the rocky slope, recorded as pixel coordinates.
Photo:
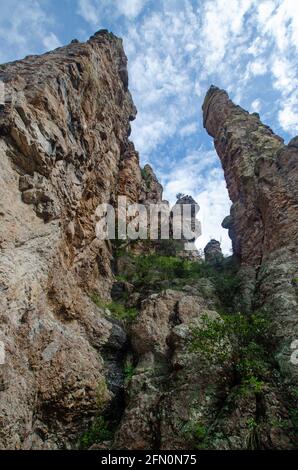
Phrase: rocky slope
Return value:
(120, 345)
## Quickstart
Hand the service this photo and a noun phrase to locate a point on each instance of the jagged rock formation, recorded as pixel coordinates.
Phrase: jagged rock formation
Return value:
(64, 149)
(213, 253)
(66, 359)
(151, 191)
(187, 242)
(169, 388)
(262, 179)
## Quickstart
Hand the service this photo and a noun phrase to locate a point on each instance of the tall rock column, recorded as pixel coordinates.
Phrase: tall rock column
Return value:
(262, 179)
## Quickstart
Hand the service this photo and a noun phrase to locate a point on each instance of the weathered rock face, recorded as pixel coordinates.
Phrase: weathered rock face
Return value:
(64, 149)
(170, 389)
(190, 226)
(151, 188)
(262, 179)
(213, 252)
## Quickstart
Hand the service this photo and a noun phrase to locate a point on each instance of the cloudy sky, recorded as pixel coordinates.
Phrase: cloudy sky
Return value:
(176, 50)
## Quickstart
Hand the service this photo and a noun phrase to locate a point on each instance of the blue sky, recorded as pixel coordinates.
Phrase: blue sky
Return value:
(176, 50)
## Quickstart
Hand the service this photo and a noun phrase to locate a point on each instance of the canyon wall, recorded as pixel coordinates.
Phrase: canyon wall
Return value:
(64, 149)
(97, 336)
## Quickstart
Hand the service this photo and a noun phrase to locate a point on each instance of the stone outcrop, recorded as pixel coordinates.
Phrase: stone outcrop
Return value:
(213, 253)
(151, 191)
(170, 389)
(64, 149)
(191, 226)
(262, 179)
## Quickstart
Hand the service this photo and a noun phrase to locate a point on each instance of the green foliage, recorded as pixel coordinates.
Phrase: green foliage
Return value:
(117, 309)
(290, 425)
(252, 385)
(119, 246)
(129, 371)
(252, 438)
(199, 431)
(121, 312)
(97, 300)
(153, 269)
(241, 339)
(211, 339)
(251, 423)
(121, 278)
(102, 394)
(294, 418)
(167, 247)
(153, 272)
(146, 177)
(196, 432)
(98, 432)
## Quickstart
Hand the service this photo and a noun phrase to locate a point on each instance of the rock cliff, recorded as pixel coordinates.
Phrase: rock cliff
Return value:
(262, 179)
(118, 344)
(64, 149)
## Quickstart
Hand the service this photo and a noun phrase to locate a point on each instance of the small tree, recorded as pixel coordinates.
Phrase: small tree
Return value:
(179, 196)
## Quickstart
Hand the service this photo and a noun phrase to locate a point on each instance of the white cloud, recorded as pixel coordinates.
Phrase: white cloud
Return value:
(256, 105)
(180, 47)
(265, 10)
(93, 11)
(189, 129)
(51, 41)
(88, 9)
(278, 22)
(259, 67)
(288, 115)
(281, 23)
(25, 28)
(197, 175)
(151, 134)
(214, 207)
(131, 8)
(222, 28)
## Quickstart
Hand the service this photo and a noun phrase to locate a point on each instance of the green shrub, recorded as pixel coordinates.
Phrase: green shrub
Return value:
(251, 385)
(117, 309)
(102, 394)
(294, 418)
(153, 272)
(129, 371)
(199, 431)
(167, 247)
(211, 339)
(98, 432)
(196, 433)
(121, 312)
(119, 246)
(252, 438)
(97, 300)
(146, 177)
(241, 339)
